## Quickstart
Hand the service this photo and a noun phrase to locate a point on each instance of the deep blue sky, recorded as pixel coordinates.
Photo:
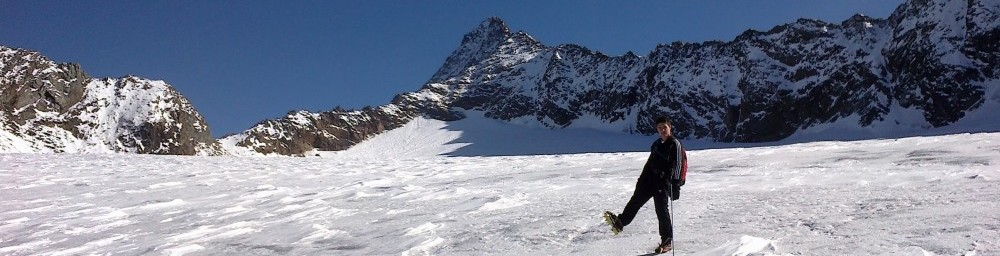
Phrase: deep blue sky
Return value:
(240, 62)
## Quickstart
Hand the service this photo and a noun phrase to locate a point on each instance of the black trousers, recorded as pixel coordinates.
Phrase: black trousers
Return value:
(643, 192)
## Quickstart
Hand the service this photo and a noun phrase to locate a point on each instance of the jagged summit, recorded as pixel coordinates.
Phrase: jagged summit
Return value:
(491, 38)
(492, 28)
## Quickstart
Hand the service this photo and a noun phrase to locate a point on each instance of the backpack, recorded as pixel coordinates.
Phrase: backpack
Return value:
(681, 171)
(679, 175)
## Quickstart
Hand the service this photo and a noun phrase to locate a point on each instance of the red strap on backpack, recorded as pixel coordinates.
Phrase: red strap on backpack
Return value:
(684, 167)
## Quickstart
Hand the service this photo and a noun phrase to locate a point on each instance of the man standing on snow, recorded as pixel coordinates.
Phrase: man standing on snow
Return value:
(661, 178)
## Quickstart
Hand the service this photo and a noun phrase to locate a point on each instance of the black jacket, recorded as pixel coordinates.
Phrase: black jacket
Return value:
(662, 167)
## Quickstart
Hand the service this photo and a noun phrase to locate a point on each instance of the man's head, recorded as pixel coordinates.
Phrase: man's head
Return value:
(664, 127)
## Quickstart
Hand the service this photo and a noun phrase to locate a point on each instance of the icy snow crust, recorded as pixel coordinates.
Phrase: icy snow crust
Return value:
(911, 196)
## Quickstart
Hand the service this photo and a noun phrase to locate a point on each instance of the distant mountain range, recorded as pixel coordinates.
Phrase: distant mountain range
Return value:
(931, 64)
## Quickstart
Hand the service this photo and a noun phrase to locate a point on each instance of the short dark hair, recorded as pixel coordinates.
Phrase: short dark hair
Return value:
(664, 120)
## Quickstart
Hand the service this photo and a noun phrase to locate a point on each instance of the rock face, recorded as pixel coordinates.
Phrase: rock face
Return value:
(49, 107)
(943, 55)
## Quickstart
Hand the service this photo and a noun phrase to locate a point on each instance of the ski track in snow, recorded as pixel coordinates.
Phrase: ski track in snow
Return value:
(934, 195)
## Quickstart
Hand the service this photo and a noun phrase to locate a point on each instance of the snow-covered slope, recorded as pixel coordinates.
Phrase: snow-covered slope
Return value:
(479, 136)
(49, 107)
(909, 196)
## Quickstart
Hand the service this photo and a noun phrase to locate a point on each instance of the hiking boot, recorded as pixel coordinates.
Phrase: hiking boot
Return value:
(614, 222)
(665, 246)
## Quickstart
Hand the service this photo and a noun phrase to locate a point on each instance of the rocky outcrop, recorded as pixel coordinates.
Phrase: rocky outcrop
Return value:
(49, 107)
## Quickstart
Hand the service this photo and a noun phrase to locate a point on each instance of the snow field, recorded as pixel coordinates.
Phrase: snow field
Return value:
(912, 196)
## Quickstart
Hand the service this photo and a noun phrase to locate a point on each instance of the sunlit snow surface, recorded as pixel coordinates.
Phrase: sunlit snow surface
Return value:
(912, 196)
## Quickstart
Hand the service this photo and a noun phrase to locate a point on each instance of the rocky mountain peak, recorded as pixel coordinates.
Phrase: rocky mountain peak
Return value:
(491, 28)
(50, 107)
(491, 38)
(490, 33)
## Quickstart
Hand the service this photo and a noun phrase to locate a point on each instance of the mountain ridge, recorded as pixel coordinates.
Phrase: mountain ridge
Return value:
(928, 65)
